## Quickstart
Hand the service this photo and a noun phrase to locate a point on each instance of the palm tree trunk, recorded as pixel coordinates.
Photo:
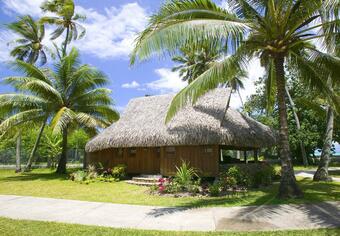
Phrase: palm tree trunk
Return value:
(63, 158)
(85, 160)
(35, 147)
(298, 127)
(288, 186)
(239, 94)
(66, 41)
(322, 172)
(18, 154)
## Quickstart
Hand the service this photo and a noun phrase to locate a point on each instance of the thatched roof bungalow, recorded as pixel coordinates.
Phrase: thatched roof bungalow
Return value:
(142, 140)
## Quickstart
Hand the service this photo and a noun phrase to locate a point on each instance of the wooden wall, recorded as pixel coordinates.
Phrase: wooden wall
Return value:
(161, 160)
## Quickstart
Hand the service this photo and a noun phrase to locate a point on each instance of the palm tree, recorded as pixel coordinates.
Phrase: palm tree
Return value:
(30, 49)
(71, 95)
(298, 126)
(196, 59)
(66, 19)
(278, 32)
(29, 46)
(236, 84)
(332, 44)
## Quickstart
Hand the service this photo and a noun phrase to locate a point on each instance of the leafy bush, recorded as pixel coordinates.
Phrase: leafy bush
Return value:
(214, 189)
(185, 174)
(79, 176)
(119, 171)
(251, 175)
(92, 174)
(184, 181)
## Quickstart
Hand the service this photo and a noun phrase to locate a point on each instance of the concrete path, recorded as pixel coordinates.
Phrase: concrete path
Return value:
(266, 217)
(310, 173)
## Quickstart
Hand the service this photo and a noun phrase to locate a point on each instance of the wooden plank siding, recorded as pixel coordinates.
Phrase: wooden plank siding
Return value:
(161, 160)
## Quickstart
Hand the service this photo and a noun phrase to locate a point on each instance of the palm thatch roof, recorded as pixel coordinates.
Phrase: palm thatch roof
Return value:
(209, 122)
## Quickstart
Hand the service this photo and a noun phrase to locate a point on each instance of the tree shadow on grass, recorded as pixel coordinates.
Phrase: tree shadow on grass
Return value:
(31, 176)
(314, 193)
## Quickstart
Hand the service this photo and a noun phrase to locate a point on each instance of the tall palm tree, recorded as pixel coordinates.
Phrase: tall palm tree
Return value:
(332, 44)
(196, 59)
(66, 19)
(298, 126)
(30, 49)
(29, 46)
(68, 96)
(278, 32)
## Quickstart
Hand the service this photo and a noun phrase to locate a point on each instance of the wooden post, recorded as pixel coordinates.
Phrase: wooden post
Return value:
(245, 157)
(256, 158)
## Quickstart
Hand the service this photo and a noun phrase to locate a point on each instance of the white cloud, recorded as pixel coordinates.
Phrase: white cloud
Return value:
(5, 37)
(169, 82)
(108, 35)
(22, 7)
(112, 34)
(133, 84)
(254, 72)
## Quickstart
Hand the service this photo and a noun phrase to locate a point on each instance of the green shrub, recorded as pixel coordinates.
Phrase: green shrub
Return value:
(185, 174)
(79, 176)
(251, 175)
(263, 176)
(214, 189)
(119, 171)
(92, 172)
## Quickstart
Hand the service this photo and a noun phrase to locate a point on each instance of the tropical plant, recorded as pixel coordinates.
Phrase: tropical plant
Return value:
(51, 147)
(185, 174)
(298, 126)
(278, 32)
(332, 44)
(29, 46)
(66, 19)
(195, 59)
(69, 96)
(30, 49)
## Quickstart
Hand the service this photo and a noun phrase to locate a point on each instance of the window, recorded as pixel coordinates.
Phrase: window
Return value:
(120, 152)
(170, 151)
(132, 152)
(208, 150)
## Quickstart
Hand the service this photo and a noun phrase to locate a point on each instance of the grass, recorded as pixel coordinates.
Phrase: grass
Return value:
(45, 183)
(11, 227)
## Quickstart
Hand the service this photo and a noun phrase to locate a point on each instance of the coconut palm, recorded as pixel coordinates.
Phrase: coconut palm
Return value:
(68, 96)
(298, 126)
(66, 19)
(332, 44)
(196, 59)
(278, 32)
(29, 46)
(30, 50)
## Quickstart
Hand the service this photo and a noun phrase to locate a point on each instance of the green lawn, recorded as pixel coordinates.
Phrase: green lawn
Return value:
(45, 183)
(334, 173)
(10, 227)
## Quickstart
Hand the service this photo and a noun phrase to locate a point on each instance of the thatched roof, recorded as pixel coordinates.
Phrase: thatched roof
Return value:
(208, 122)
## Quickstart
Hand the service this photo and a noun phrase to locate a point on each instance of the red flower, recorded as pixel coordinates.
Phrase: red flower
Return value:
(161, 188)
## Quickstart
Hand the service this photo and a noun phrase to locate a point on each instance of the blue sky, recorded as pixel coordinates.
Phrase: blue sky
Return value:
(111, 29)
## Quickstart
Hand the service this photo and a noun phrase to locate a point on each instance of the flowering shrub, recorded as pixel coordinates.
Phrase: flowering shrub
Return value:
(94, 174)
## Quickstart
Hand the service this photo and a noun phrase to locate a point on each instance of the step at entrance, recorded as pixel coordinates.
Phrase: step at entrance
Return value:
(144, 180)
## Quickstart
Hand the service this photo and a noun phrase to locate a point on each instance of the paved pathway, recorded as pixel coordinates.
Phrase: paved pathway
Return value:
(264, 217)
(310, 173)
